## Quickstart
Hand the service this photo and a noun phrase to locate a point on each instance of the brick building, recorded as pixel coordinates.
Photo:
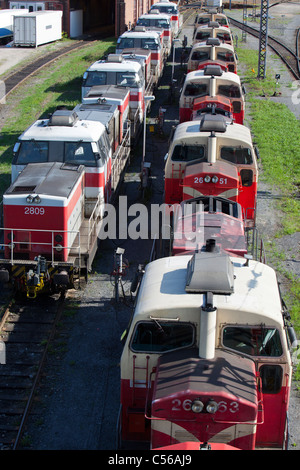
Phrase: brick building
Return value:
(113, 16)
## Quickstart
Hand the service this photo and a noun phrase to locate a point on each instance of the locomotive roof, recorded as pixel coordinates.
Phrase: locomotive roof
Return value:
(124, 66)
(255, 298)
(199, 75)
(140, 34)
(191, 130)
(87, 131)
(48, 179)
(109, 91)
(223, 45)
(154, 16)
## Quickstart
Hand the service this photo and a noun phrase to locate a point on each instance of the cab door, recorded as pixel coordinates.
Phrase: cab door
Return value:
(275, 384)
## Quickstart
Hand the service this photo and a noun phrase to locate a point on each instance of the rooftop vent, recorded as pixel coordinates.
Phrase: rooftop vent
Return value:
(210, 272)
(214, 70)
(63, 117)
(140, 29)
(213, 24)
(115, 58)
(213, 42)
(213, 123)
(155, 11)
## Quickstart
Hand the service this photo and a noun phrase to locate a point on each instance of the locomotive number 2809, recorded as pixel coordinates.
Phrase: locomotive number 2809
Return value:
(34, 210)
(186, 405)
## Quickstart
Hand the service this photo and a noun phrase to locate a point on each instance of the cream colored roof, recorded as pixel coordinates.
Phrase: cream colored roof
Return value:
(255, 299)
(191, 130)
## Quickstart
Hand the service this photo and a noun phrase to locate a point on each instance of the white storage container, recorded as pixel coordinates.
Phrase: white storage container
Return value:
(37, 27)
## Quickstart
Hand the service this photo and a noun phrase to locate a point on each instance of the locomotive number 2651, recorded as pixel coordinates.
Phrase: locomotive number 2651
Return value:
(34, 210)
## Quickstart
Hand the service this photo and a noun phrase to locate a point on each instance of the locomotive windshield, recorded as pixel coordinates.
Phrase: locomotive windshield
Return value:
(158, 23)
(200, 55)
(255, 341)
(129, 79)
(196, 89)
(169, 9)
(79, 153)
(188, 153)
(160, 336)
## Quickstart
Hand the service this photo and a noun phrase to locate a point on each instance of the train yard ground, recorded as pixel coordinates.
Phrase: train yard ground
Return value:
(78, 399)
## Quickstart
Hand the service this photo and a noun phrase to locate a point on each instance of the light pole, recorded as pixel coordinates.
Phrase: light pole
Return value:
(147, 99)
(173, 62)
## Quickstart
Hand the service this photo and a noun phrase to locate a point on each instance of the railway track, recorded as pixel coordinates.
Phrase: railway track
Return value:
(287, 55)
(26, 329)
(13, 80)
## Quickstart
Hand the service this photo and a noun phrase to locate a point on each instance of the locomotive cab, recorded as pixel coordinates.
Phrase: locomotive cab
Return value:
(206, 357)
(215, 83)
(210, 52)
(213, 30)
(212, 157)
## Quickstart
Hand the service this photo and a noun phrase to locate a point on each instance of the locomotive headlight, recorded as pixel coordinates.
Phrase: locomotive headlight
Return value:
(29, 199)
(197, 406)
(207, 179)
(58, 247)
(215, 179)
(211, 406)
(37, 199)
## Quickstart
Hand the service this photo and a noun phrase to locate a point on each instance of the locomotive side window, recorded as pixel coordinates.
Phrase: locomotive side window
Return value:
(96, 78)
(32, 152)
(188, 153)
(200, 56)
(255, 341)
(231, 91)
(237, 155)
(271, 378)
(196, 89)
(162, 336)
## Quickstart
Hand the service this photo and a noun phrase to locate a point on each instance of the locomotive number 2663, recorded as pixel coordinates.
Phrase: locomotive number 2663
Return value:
(223, 406)
(34, 210)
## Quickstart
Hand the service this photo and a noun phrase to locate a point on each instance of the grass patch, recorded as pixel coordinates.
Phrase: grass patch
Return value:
(276, 133)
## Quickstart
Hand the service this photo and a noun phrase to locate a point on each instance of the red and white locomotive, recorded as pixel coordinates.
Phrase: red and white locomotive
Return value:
(171, 9)
(214, 82)
(50, 218)
(213, 30)
(212, 52)
(212, 157)
(206, 356)
(117, 71)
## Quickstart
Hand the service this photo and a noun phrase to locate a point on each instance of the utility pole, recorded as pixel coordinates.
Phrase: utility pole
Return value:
(263, 39)
(245, 15)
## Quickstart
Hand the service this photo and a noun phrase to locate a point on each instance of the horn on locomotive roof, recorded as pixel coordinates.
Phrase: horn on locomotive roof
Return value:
(213, 42)
(214, 70)
(213, 123)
